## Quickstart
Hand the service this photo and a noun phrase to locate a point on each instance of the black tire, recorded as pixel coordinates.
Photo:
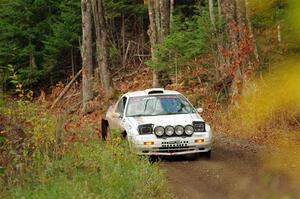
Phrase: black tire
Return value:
(153, 159)
(189, 157)
(124, 135)
(207, 155)
(104, 129)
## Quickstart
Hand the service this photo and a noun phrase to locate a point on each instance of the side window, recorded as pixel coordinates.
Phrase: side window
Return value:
(121, 106)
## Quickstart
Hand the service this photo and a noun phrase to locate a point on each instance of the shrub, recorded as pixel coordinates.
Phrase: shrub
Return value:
(28, 133)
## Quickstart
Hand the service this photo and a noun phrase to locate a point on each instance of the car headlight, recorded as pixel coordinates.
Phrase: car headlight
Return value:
(145, 129)
(169, 130)
(179, 130)
(199, 126)
(189, 130)
(159, 131)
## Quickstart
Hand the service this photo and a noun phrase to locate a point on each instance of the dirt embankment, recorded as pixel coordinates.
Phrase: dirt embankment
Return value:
(235, 171)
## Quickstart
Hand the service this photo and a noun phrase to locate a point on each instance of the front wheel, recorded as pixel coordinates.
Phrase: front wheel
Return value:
(105, 130)
(207, 154)
(153, 158)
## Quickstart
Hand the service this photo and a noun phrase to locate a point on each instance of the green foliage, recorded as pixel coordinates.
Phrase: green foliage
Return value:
(188, 39)
(115, 8)
(66, 33)
(113, 55)
(6, 73)
(35, 33)
(269, 17)
(95, 170)
(24, 27)
(40, 37)
(10, 77)
(38, 123)
(127, 14)
(274, 20)
(37, 166)
(28, 134)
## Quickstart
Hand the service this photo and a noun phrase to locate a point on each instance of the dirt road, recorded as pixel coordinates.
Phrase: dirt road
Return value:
(235, 171)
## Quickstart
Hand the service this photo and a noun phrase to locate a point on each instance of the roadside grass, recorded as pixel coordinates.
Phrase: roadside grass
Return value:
(55, 161)
(95, 170)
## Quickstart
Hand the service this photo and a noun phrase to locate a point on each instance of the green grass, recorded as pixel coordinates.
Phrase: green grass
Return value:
(94, 170)
(79, 168)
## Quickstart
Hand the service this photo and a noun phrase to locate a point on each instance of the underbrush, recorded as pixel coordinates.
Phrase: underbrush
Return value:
(268, 108)
(94, 170)
(268, 114)
(42, 157)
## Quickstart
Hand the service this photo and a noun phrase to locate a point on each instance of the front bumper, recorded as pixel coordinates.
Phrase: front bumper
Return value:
(171, 145)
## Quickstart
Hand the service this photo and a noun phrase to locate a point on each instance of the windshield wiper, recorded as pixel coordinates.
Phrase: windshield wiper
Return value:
(146, 104)
(140, 115)
(177, 113)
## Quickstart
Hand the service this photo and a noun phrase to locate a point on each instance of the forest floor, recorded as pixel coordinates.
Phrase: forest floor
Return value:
(236, 170)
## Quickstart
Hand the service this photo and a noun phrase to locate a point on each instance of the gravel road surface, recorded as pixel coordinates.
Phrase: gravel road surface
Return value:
(234, 171)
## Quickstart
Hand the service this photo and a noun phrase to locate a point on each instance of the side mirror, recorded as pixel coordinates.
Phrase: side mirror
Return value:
(199, 110)
(116, 115)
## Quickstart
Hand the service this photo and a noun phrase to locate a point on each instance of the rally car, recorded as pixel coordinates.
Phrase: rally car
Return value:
(159, 122)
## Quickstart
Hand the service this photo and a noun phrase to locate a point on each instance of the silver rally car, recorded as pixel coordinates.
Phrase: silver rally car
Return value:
(159, 122)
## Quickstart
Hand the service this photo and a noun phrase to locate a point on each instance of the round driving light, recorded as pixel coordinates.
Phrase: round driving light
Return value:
(179, 130)
(189, 130)
(169, 130)
(159, 131)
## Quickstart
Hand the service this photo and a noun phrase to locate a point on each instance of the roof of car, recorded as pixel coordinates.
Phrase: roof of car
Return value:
(152, 91)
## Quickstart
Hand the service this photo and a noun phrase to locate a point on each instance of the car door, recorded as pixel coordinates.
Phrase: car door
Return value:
(120, 107)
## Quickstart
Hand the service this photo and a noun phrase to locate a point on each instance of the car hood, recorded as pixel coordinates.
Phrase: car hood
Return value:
(164, 120)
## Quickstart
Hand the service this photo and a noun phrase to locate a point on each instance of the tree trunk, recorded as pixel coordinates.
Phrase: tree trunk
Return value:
(243, 37)
(102, 45)
(2, 84)
(249, 24)
(159, 16)
(214, 37)
(242, 44)
(219, 11)
(216, 42)
(230, 16)
(171, 12)
(123, 41)
(153, 34)
(87, 57)
(164, 19)
(212, 14)
(241, 15)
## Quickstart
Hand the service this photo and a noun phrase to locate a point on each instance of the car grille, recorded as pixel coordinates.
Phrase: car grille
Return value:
(174, 144)
(175, 150)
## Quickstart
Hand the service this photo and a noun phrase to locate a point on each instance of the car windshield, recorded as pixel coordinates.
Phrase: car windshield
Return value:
(158, 105)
